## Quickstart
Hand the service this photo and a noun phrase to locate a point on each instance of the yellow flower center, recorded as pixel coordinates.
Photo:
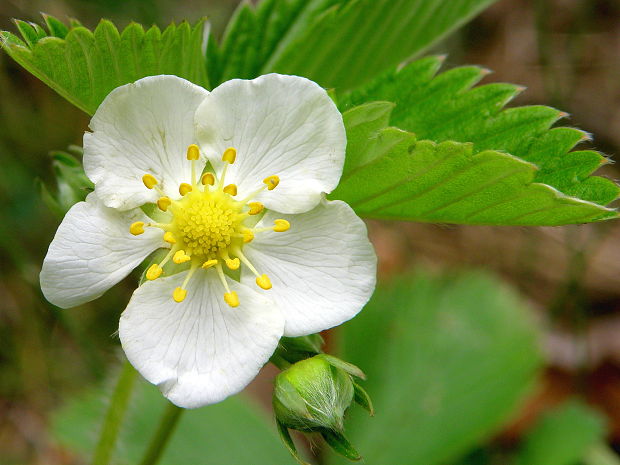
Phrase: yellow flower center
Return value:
(207, 225)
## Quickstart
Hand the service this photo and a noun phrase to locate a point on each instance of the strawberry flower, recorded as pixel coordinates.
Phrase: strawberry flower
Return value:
(231, 185)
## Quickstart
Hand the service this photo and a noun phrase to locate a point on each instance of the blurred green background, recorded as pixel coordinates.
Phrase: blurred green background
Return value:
(557, 341)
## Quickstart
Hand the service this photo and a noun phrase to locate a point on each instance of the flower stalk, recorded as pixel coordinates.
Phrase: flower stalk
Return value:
(160, 439)
(115, 415)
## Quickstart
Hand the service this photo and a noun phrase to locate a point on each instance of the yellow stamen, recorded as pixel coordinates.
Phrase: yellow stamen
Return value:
(231, 299)
(154, 272)
(149, 181)
(255, 208)
(231, 189)
(230, 155)
(233, 263)
(193, 152)
(271, 182)
(263, 282)
(248, 235)
(181, 257)
(209, 263)
(207, 178)
(245, 261)
(281, 225)
(179, 294)
(137, 228)
(163, 203)
(169, 238)
(184, 188)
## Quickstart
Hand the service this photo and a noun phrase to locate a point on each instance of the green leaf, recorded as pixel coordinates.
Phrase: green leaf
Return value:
(390, 174)
(447, 358)
(84, 66)
(203, 436)
(446, 107)
(254, 34)
(563, 436)
(355, 40)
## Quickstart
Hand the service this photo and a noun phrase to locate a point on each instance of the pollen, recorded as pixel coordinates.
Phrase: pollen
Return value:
(185, 189)
(169, 238)
(281, 225)
(229, 155)
(233, 263)
(193, 152)
(181, 257)
(231, 189)
(163, 203)
(207, 179)
(263, 282)
(271, 182)
(137, 228)
(231, 298)
(149, 181)
(179, 294)
(154, 272)
(255, 208)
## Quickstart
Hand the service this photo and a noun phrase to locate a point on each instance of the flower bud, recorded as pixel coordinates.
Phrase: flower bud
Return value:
(313, 395)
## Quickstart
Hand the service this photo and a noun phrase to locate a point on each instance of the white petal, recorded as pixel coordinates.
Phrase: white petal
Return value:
(141, 128)
(280, 125)
(199, 351)
(93, 250)
(322, 269)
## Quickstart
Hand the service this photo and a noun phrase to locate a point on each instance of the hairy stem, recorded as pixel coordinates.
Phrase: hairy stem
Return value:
(115, 415)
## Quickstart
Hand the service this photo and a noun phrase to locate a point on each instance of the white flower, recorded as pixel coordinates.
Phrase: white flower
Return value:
(214, 163)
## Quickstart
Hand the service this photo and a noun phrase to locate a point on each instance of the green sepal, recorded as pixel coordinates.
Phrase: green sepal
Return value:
(361, 398)
(340, 444)
(288, 443)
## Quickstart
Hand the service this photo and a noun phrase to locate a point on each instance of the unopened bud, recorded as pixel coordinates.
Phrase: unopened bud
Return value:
(313, 395)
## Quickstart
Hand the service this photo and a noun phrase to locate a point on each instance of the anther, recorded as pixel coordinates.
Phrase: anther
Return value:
(255, 208)
(231, 189)
(149, 181)
(281, 225)
(272, 182)
(207, 178)
(209, 263)
(263, 282)
(137, 228)
(179, 294)
(184, 188)
(230, 155)
(169, 238)
(163, 203)
(233, 263)
(231, 299)
(154, 272)
(181, 257)
(193, 152)
(248, 235)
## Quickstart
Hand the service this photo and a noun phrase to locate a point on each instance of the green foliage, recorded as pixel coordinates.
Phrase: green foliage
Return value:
(390, 174)
(563, 437)
(337, 43)
(354, 40)
(446, 107)
(254, 34)
(447, 358)
(204, 436)
(72, 185)
(84, 66)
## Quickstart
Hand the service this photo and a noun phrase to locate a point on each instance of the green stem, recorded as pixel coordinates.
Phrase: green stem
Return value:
(114, 416)
(162, 435)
